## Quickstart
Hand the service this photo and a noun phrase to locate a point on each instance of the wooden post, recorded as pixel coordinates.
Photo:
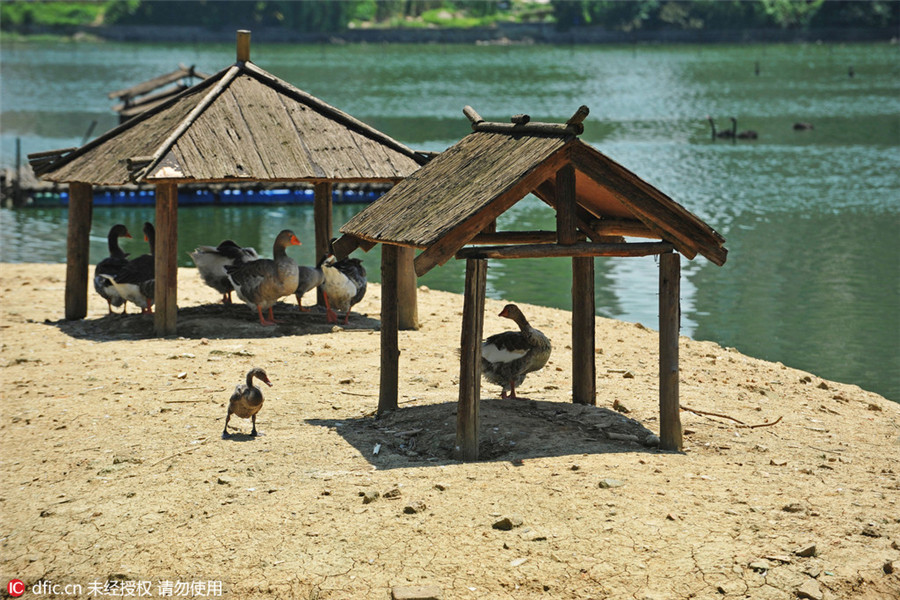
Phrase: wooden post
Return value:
(566, 229)
(406, 291)
(390, 352)
(166, 263)
(669, 325)
(467, 420)
(584, 375)
(243, 45)
(322, 215)
(78, 242)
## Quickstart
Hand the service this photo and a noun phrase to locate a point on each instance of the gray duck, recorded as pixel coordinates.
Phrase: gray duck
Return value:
(508, 356)
(262, 282)
(246, 400)
(212, 261)
(344, 286)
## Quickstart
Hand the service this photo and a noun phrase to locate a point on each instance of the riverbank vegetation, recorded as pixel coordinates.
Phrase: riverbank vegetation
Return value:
(21, 17)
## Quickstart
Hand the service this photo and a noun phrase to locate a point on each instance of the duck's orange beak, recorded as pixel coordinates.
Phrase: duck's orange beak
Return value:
(295, 241)
(128, 235)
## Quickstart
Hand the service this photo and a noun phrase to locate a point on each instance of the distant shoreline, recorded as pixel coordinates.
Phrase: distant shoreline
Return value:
(501, 34)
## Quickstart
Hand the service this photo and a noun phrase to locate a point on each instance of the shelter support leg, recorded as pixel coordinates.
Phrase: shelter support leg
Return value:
(390, 352)
(407, 282)
(322, 215)
(166, 260)
(81, 203)
(467, 419)
(584, 374)
(669, 325)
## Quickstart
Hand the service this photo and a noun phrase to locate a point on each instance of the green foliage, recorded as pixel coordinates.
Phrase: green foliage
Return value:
(791, 13)
(25, 14)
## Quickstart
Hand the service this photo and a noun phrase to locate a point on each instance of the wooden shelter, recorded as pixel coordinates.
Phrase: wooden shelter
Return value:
(153, 92)
(241, 124)
(449, 208)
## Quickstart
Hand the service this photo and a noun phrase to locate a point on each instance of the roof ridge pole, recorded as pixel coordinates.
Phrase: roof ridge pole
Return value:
(243, 45)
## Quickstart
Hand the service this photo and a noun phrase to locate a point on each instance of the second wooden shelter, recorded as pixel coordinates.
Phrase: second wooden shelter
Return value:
(449, 208)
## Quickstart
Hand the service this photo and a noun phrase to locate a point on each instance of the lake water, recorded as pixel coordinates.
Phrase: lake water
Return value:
(811, 218)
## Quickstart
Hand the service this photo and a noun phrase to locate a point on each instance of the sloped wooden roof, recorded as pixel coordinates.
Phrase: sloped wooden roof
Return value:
(243, 124)
(458, 194)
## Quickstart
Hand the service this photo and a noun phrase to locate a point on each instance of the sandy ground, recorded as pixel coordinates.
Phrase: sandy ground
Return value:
(115, 477)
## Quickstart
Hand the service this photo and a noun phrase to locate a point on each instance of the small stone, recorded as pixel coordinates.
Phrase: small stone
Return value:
(875, 407)
(732, 588)
(777, 462)
(810, 590)
(793, 507)
(823, 386)
(370, 496)
(610, 483)
(533, 536)
(221, 480)
(870, 531)
(416, 506)
(441, 487)
(508, 523)
(391, 494)
(416, 592)
(628, 375)
(517, 562)
(888, 567)
(806, 550)
(760, 566)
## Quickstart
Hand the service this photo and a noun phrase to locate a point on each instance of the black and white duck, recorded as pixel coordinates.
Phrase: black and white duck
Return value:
(246, 400)
(111, 265)
(262, 282)
(309, 279)
(508, 356)
(344, 286)
(135, 281)
(211, 262)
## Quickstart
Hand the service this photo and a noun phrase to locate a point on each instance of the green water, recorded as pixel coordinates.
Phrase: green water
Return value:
(811, 218)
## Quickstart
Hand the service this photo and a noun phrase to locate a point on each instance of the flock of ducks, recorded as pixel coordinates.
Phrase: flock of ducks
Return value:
(748, 134)
(506, 357)
(258, 282)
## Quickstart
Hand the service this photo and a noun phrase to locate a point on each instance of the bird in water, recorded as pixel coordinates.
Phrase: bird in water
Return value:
(212, 261)
(747, 134)
(262, 282)
(111, 265)
(309, 278)
(508, 356)
(246, 400)
(803, 126)
(135, 282)
(725, 134)
(344, 286)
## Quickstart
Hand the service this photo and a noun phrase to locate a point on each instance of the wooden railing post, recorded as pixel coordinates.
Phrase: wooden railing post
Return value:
(407, 283)
(467, 419)
(584, 370)
(78, 245)
(322, 215)
(669, 325)
(390, 351)
(166, 260)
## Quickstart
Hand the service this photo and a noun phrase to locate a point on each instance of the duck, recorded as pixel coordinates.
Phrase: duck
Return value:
(135, 281)
(262, 282)
(803, 126)
(309, 278)
(111, 265)
(246, 400)
(211, 263)
(726, 134)
(508, 356)
(748, 134)
(344, 285)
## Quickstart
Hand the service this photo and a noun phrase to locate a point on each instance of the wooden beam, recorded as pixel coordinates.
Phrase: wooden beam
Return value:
(566, 229)
(584, 375)
(407, 284)
(553, 250)
(322, 216)
(78, 245)
(344, 246)
(628, 227)
(547, 192)
(515, 237)
(467, 418)
(444, 249)
(390, 351)
(669, 325)
(165, 313)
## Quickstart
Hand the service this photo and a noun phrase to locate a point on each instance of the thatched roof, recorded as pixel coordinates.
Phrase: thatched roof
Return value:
(458, 194)
(242, 124)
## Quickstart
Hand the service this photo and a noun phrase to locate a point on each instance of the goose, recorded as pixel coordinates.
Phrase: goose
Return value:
(246, 400)
(309, 279)
(344, 285)
(111, 265)
(212, 261)
(749, 134)
(727, 134)
(262, 282)
(135, 281)
(508, 356)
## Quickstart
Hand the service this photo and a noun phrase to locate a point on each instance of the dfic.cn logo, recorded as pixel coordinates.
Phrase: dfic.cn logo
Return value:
(16, 588)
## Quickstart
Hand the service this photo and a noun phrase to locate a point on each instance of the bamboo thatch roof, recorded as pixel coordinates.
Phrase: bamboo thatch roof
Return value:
(459, 194)
(241, 124)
